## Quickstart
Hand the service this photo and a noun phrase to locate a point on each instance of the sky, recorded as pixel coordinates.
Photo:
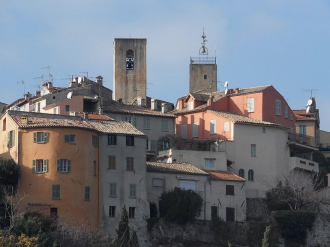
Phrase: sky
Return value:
(284, 43)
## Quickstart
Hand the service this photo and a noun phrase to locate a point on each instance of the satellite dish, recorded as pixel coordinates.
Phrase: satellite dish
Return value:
(309, 102)
(308, 108)
(226, 84)
(226, 91)
(69, 95)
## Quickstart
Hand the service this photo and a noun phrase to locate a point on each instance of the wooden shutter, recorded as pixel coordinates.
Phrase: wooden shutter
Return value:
(46, 136)
(69, 165)
(45, 165)
(34, 136)
(13, 138)
(8, 140)
(58, 165)
(66, 138)
(34, 166)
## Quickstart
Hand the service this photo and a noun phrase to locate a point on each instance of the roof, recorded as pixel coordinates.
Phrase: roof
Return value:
(116, 107)
(224, 175)
(41, 120)
(236, 118)
(218, 96)
(183, 168)
(95, 116)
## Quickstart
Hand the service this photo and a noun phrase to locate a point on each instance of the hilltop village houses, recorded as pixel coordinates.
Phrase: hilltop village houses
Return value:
(85, 153)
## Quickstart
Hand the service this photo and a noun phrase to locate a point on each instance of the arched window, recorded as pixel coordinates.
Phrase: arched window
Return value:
(130, 59)
(241, 173)
(251, 175)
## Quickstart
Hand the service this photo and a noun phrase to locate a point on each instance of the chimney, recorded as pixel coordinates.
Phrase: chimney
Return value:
(154, 104)
(85, 115)
(25, 119)
(73, 113)
(164, 108)
(27, 96)
(100, 110)
(141, 102)
(49, 85)
(236, 90)
(120, 100)
(210, 101)
(99, 80)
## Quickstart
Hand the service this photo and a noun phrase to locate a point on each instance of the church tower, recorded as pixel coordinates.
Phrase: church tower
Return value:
(203, 71)
(130, 69)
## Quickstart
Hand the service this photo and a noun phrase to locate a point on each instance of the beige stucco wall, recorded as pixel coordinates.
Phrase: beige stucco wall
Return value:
(10, 125)
(123, 179)
(311, 132)
(196, 77)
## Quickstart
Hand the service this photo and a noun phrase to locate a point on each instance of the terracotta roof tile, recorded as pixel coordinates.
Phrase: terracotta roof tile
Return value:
(236, 118)
(95, 116)
(116, 107)
(174, 168)
(224, 175)
(113, 127)
(200, 96)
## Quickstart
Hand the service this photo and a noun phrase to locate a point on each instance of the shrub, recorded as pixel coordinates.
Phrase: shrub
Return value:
(180, 206)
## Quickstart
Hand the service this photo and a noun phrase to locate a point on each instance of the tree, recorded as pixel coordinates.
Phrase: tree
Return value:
(123, 228)
(9, 172)
(180, 206)
(266, 239)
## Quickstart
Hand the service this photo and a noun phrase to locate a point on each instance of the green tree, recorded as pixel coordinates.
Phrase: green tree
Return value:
(135, 240)
(9, 172)
(266, 239)
(180, 206)
(123, 228)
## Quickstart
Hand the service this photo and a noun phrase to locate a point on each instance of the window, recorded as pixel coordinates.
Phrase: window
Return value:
(70, 139)
(146, 123)
(251, 175)
(132, 191)
(40, 137)
(250, 104)
(184, 131)
(38, 105)
(195, 129)
(56, 193)
(131, 212)
(130, 60)
(129, 140)
(95, 141)
(112, 162)
(209, 163)
(291, 134)
(131, 120)
(286, 111)
(63, 165)
(112, 211)
(253, 150)
(263, 129)
(230, 214)
(11, 138)
(94, 168)
(112, 140)
(190, 105)
(67, 107)
(129, 163)
(291, 116)
(278, 107)
(55, 110)
(113, 190)
(241, 173)
(205, 77)
(39, 166)
(187, 185)
(87, 193)
(212, 127)
(302, 130)
(157, 182)
(4, 125)
(214, 212)
(226, 126)
(230, 190)
(164, 125)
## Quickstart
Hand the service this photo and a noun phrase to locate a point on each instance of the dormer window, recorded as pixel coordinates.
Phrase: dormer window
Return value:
(130, 60)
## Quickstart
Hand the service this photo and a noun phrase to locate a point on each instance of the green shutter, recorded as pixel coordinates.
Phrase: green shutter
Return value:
(123, 118)
(46, 136)
(134, 121)
(45, 165)
(8, 140)
(66, 138)
(97, 141)
(69, 165)
(58, 165)
(13, 140)
(34, 136)
(34, 166)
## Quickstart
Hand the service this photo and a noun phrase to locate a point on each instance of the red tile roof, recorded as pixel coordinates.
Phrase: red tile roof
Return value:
(174, 168)
(224, 175)
(94, 116)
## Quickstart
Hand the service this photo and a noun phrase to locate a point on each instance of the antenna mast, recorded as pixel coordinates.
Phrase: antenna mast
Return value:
(22, 82)
(309, 90)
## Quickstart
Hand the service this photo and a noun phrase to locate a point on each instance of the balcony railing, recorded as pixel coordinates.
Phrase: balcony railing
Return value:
(203, 60)
(324, 147)
(296, 162)
(303, 139)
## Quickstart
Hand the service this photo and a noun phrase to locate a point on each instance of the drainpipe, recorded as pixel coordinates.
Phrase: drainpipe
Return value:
(207, 181)
(98, 186)
(18, 151)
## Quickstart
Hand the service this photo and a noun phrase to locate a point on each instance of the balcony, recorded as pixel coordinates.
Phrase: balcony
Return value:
(303, 139)
(324, 147)
(300, 163)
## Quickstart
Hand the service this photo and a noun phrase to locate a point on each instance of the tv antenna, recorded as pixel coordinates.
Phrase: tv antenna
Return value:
(309, 90)
(85, 72)
(226, 87)
(50, 76)
(40, 79)
(22, 82)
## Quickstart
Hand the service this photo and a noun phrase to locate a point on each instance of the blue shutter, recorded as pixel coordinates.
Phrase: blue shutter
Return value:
(69, 165)
(66, 138)
(34, 166)
(58, 165)
(34, 136)
(46, 136)
(45, 165)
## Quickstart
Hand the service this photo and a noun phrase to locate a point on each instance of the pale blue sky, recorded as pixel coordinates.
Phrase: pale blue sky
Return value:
(285, 43)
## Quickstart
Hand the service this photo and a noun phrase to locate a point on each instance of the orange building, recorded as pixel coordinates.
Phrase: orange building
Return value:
(59, 160)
